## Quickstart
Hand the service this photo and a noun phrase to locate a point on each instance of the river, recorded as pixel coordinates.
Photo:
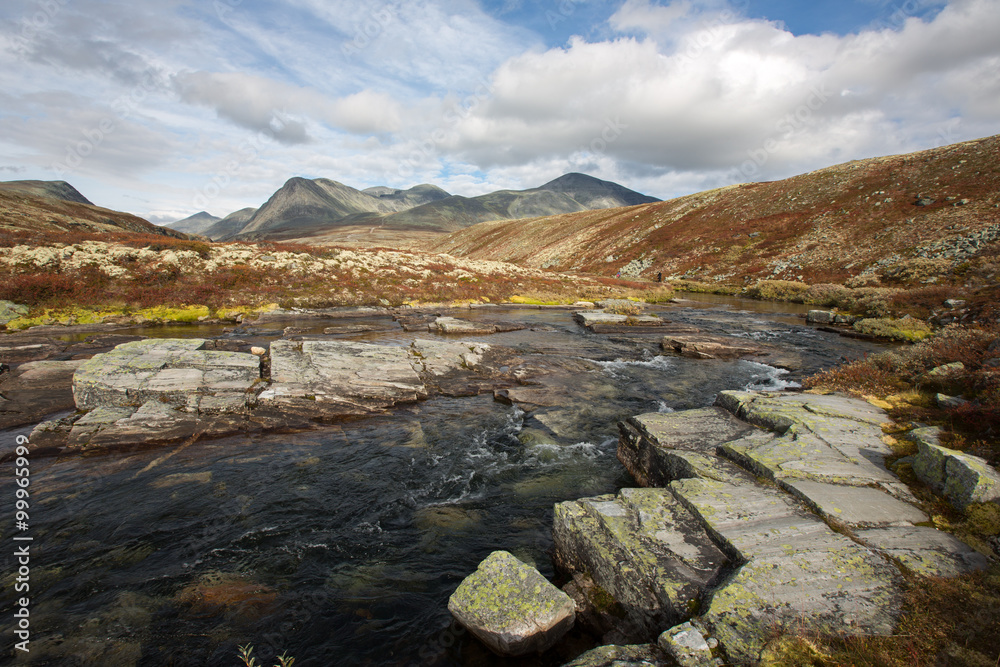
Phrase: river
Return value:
(342, 545)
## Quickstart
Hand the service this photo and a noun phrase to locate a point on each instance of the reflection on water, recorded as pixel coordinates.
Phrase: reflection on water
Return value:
(342, 545)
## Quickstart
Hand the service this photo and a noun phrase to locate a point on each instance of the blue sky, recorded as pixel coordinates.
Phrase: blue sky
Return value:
(166, 108)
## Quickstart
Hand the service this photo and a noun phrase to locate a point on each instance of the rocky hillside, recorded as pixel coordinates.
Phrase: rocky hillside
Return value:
(195, 224)
(45, 210)
(901, 218)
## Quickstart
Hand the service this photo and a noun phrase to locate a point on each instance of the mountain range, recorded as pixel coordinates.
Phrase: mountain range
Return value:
(304, 208)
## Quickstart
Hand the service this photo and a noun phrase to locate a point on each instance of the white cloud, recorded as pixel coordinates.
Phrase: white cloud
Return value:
(726, 90)
(666, 97)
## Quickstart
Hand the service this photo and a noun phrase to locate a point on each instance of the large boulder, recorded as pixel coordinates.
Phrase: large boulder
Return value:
(11, 311)
(962, 478)
(511, 607)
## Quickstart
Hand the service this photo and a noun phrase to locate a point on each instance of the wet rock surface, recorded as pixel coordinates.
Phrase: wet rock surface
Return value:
(638, 655)
(35, 390)
(700, 346)
(773, 509)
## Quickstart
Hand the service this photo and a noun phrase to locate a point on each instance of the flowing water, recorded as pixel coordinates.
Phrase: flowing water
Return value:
(342, 545)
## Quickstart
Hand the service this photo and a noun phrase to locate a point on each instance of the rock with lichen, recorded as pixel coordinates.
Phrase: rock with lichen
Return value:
(512, 608)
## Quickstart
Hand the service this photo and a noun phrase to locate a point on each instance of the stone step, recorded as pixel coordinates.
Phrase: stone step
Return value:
(793, 490)
(658, 448)
(796, 569)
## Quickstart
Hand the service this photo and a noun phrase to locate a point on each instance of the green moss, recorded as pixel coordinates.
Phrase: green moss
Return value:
(907, 329)
(778, 290)
(531, 301)
(983, 518)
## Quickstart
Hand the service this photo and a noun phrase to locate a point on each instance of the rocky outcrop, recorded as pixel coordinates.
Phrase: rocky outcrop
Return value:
(512, 608)
(763, 511)
(829, 317)
(176, 372)
(962, 478)
(688, 646)
(161, 391)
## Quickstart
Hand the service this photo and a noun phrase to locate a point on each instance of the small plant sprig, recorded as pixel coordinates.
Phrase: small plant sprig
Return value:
(246, 655)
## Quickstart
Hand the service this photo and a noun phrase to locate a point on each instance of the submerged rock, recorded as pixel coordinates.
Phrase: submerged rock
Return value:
(34, 390)
(711, 347)
(639, 655)
(512, 608)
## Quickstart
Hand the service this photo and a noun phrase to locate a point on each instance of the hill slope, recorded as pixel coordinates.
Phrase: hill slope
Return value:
(59, 190)
(829, 225)
(24, 216)
(229, 225)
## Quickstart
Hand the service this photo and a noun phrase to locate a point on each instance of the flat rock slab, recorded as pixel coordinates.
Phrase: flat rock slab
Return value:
(657, 448)
(512, 608)
(438, 357)
(700, 346)
(796, 570)
(454, 325)
(359, 375)
(855, 506)
(172, 370)
(589, 318)
(925, 550)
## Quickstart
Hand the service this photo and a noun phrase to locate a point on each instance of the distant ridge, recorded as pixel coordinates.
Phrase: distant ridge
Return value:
(195, 224)
(229, 225)
(567, 194)
(304, 208)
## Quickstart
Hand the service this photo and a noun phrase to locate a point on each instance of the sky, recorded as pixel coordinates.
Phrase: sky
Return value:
(167, 108)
